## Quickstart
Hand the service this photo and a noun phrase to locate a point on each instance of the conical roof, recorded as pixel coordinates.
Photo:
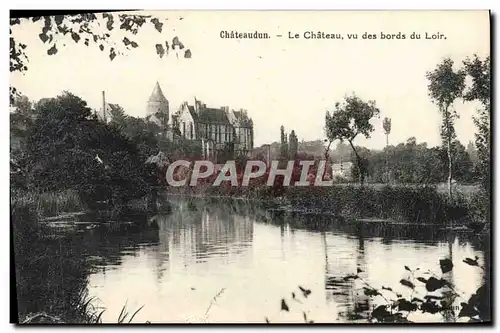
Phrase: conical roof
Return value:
(157, 94)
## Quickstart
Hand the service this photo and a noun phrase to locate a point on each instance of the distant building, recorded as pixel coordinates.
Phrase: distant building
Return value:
(342, 170)
(222, 133)
(107, 110)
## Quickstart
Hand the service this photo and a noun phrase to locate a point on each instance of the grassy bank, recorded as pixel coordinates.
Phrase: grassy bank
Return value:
(47, 204)
(403, 204)
(50, 272)
(51, 268)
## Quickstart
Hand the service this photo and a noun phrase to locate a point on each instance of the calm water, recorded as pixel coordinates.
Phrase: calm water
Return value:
(254, 260)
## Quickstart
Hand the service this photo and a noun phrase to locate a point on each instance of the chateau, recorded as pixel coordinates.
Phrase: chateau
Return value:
(222, 133)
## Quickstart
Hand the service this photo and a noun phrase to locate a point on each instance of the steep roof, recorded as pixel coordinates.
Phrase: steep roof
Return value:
(193, 113)
(157, 94)
(242, 117)
(210, 115)
(110, 111)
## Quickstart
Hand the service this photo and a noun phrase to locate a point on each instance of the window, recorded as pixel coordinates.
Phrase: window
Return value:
(191, 130)
(184, 129)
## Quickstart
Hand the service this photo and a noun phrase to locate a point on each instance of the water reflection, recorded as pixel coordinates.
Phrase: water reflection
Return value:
(258, 258)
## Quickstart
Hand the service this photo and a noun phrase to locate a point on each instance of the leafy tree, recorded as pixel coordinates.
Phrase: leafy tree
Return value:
(104, 31)
(21, 118)
(293, 145)
(284, 144)
(350, 119)
(445, 86)
(480, 90)
(387, 131)
(67, 147)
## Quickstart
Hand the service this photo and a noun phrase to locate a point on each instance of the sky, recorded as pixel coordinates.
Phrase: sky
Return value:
(280, 81)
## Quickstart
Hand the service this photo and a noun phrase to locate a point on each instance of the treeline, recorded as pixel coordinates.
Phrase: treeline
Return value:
(415, 163)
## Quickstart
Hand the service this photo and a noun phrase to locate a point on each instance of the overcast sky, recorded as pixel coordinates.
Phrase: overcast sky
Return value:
(279, 81)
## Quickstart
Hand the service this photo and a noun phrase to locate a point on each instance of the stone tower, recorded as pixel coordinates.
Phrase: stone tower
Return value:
(158, 108)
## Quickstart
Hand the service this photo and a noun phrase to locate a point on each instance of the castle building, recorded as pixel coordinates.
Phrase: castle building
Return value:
(222, 133)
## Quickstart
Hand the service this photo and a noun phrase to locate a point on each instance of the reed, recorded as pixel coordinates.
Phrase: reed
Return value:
(48, 203)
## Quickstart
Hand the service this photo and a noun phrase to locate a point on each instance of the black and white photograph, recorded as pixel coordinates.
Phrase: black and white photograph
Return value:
(250, 167)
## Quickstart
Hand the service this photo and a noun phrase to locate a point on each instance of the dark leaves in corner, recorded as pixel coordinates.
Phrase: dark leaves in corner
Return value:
(112, 54)
(284, 306)
(128, 42)
(306, 292)
(52, 50)
(407, 283)
(187, 54)
(350, 277)
(430, 307)
(109, 24)
(434, 284)
(59, 19)
(176, 43)
(370, 291)
(380, 313)
(101, 47)
(75, 37)
(446, 265)
(421, 279)
(471, 262)
(43, 37)
(160, 50)
(359, 270)
(404, 305)
(158, 25)
(408, 268)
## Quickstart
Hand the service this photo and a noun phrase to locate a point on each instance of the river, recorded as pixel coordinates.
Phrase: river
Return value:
(214, 265)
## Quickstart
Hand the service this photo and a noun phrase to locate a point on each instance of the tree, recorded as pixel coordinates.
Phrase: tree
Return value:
(284, 144)
(104, 31)
(387, 131)
(21, 118)
(350, 119)
(445, 86)
(293, 143)
(67, 147)
(480, 90)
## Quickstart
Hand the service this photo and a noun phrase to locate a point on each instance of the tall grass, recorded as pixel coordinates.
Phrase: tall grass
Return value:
(404, 204)
(49, 203)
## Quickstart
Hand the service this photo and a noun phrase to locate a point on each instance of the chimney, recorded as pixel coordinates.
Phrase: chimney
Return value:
(103, 106)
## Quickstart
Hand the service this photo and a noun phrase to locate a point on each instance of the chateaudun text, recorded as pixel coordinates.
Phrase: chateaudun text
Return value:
(315, 35)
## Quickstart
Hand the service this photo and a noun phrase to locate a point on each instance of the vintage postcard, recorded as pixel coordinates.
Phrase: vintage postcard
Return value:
(250, 167)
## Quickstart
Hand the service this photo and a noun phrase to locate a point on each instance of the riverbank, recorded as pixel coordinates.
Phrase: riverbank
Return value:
(398, 204)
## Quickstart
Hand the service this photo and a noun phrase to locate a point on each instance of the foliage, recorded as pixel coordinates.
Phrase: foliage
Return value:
(415, 163)
(445, 86)
(99, 30)
(350, 119)
(480, 90)
(67, 148)
(387, 125)
(103, 30)
(396, 308)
